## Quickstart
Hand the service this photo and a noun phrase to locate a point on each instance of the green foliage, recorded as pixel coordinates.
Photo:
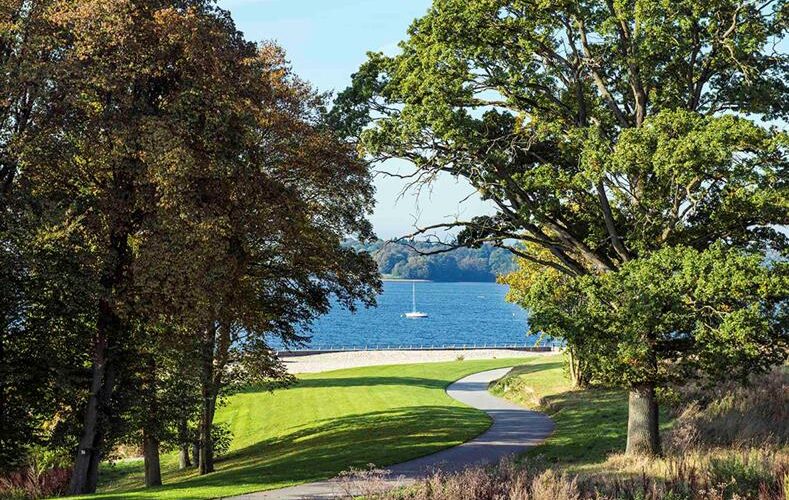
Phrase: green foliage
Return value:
(674, 315)
(222, 438)
(546, 109)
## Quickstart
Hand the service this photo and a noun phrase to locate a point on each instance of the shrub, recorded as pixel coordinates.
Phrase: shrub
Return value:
(30, 483)
(743, 475)
(222, 437)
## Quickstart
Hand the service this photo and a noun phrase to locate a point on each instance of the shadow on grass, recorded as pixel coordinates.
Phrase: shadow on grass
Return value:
(323, 383)
(330, 446)
(533, 368)
(590, 424)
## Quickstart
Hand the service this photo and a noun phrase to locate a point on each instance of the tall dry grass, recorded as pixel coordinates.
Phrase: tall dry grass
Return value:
(731, 414)
(736, 477)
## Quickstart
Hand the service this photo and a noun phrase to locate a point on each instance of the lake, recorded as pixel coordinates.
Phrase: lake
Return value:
(459, 313)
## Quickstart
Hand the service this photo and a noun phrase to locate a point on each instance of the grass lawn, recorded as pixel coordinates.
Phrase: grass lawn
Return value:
(590, 423)
(325, 424)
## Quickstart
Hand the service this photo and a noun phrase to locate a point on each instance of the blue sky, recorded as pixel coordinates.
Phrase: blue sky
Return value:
(326, 41)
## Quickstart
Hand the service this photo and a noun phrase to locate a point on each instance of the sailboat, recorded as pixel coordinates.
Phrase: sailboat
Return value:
(414, 313)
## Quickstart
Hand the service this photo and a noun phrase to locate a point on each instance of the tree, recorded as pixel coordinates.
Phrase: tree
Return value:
(43, 298)
(114, 79)
(603, 131)
(178, 201)
(122, 75)
(267, 251)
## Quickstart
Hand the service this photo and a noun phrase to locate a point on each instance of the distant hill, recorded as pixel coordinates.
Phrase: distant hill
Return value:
(397, 260)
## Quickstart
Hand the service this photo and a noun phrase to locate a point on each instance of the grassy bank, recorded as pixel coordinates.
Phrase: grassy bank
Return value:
(590, 424)
(325, 424)
(722, 443)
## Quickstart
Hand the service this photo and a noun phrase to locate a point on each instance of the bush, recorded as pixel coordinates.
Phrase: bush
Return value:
(222, 437)
(47, 473)
(30, 483)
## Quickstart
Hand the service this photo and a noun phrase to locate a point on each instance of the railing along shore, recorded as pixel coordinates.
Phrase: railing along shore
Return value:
(414, 347)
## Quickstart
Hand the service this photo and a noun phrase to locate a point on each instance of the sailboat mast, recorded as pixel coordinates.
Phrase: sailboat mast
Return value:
(413, 296)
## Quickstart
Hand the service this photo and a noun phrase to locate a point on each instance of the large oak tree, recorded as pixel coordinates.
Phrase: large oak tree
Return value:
(603, 131)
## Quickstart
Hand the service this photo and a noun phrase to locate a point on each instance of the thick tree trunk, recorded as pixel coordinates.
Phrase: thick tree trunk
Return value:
(109, 328)
(643, 435)
(82, 480)
(150, 450)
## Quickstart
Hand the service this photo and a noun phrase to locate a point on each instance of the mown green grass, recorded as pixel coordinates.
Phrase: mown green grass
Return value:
(325, 424)
(590, 424)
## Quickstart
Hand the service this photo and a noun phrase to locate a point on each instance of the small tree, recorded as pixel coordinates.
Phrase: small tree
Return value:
(602, 131)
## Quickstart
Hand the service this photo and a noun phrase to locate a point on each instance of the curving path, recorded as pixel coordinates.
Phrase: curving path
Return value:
(514, 429)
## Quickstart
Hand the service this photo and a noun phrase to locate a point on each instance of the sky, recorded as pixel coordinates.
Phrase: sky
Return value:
(326, 41)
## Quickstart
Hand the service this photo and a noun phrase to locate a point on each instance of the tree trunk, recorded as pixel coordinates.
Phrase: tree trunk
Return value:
(205, 461)
(89, 444)
(216, 348)
(195, 453)
(643, 435)
(109, 328)
(206, 452)
(183, 457)
(183, 449)
(150, 449)
(578, 373)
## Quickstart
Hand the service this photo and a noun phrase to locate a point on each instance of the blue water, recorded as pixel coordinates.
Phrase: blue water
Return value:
(460, 313)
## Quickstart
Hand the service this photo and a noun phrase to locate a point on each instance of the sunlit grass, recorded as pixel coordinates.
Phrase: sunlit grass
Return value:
(591, 424)
(325, 424)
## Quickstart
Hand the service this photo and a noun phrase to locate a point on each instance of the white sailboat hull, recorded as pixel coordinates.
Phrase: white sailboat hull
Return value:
(414, 313)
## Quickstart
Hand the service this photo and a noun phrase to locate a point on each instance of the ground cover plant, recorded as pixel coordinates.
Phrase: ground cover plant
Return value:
(323, 425)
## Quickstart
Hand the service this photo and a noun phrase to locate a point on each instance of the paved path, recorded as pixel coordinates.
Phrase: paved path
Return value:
(514, 429)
